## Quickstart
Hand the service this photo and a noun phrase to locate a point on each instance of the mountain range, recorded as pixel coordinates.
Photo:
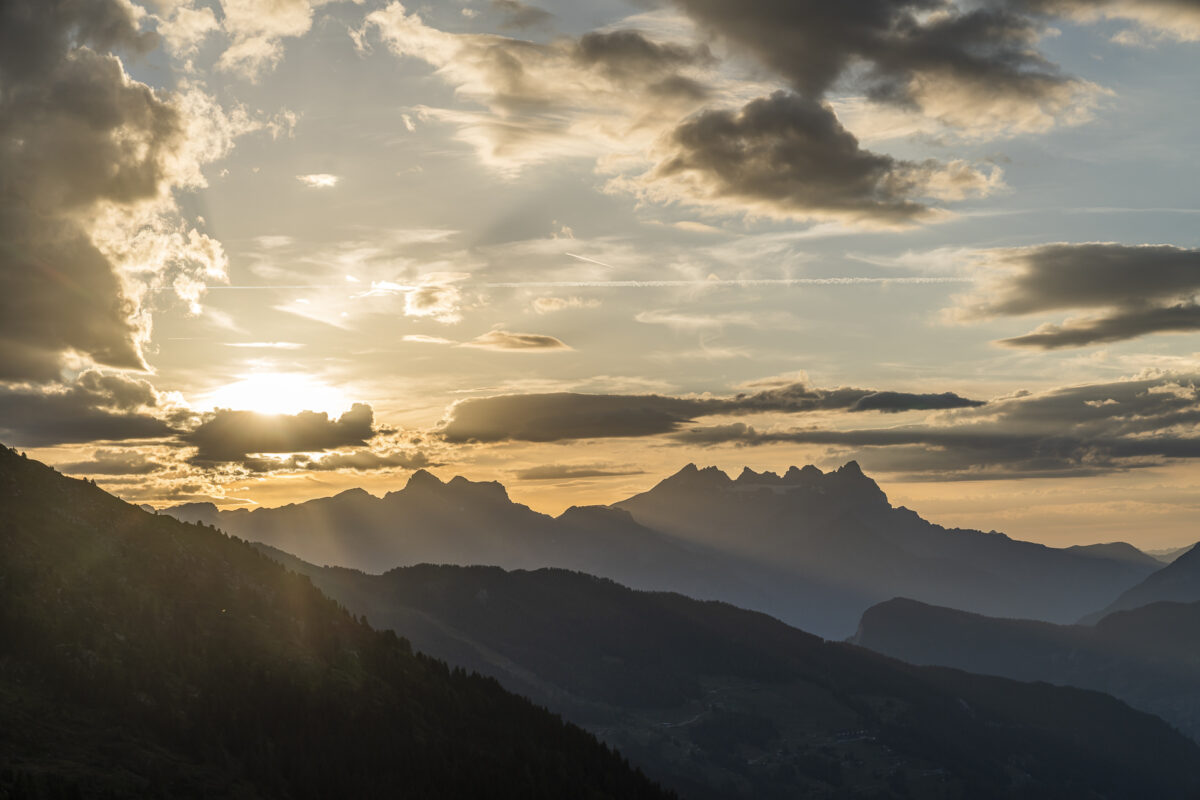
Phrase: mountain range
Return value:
(814, 549)
(719, 702)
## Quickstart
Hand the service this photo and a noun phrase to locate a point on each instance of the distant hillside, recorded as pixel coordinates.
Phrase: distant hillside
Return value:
(1148, 657)
(814, 549)
(719, 702)
(144, 657)
(1177, 582)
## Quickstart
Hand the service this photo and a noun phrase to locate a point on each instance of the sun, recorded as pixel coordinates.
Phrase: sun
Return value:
(277, 393)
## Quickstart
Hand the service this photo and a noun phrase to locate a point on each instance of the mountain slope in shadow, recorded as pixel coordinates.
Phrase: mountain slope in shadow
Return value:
(718, 702)
(1177, 582)
(1149, 657)
(144, 657)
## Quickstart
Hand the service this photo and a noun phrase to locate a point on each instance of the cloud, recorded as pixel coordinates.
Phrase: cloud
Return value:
(604, 92)
(228, 435)
(112, 462)
(550, 305)
(435, 295)
(87, 214)
(1140, 290)
(319, 180)
(564, 415)
(970, 67)
(1069, 431)
(357, 461)
(256, 28)
(95, 407)
(500, 339)
(567, 472)
(421, 338)
(629, 99)
(1177, 20)
(521, 15)
(789, 156)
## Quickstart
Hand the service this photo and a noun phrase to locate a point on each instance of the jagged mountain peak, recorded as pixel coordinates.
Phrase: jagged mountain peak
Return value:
(423, 478)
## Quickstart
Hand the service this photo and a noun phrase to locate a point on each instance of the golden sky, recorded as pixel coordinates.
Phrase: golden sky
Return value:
(259, 251)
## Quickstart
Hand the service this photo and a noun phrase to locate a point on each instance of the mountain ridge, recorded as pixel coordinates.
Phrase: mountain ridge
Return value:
(811, 547)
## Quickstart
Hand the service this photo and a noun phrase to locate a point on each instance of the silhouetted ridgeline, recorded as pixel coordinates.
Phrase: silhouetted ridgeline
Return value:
(814, 549)
(1149, 657)
(144, 657)
(718, 702)
(1178, 582)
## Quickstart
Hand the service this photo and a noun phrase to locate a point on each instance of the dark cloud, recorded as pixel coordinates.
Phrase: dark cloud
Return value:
(894, 48)
(565, 416)
(895, 402)
(1145, 289)
(629, 54)
(94, 408)
(76, 132)
(787, 154)
(1071, 431)
(521, 15)
(566, 472)
(112, 462)
(507, 340)
(232, 435)
(358, 461)
(1115, 328)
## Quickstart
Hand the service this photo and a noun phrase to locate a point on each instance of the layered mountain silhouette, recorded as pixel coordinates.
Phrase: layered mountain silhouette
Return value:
(815, 549)
(1148, 657)
(1178, 582)
(144, 657)
(719, 702)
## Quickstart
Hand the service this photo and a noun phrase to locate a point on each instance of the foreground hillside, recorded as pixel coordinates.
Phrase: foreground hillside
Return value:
(814, 549)
(718, 702)
(143, 657)
(1149, 657)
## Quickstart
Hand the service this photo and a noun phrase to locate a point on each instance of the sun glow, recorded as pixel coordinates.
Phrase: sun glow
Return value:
(277, 393)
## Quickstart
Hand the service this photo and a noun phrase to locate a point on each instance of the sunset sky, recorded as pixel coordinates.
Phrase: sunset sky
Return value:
(260, 251)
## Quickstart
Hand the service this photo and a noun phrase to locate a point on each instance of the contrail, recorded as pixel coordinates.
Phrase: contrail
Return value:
(851, 281)
(655, 284)
(591, 260)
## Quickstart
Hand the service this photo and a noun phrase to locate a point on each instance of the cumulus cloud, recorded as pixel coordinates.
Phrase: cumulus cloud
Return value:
(564, 416)
(1139, 289)
(968, 66)
(228, 435)
(95, 407)
(628, 99)
(1069, 431)
(501, 339)
(90, 159)
(256, 29)
(787, 155)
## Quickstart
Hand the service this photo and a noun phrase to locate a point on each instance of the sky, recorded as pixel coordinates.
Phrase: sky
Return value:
(254, 252)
